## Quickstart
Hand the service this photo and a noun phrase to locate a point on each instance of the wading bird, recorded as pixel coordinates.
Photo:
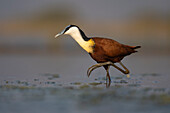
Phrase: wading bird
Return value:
(104, 51)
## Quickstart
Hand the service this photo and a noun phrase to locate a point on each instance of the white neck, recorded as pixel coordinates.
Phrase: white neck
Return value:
(86, 45)
(78, 38)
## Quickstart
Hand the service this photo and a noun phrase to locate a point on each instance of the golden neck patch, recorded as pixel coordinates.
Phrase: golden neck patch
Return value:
(88, 45)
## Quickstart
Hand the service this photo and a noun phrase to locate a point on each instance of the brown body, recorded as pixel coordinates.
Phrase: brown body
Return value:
(110, 50)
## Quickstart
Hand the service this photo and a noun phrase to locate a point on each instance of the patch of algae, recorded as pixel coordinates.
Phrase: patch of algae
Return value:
(164, 99)
(76, 83)
(84, 86)
(15, 87)
(95, 83)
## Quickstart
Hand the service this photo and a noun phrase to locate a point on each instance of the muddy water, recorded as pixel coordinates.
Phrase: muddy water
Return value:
(58, 83)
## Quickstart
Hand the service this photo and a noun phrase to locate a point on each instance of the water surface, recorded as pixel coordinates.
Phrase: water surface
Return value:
(58, 83)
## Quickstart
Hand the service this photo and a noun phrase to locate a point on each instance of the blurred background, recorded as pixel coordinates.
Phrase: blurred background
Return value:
(31, 57)
(28, 27)
(27, 30)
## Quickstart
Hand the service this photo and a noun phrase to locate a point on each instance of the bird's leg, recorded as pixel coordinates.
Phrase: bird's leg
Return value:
(126, 71)
(108, 77)
(96, 66)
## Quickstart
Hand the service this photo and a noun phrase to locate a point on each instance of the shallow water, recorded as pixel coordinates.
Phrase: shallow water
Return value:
(57, 83)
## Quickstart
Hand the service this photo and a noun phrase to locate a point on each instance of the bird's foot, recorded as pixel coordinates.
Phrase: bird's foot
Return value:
(93, 67)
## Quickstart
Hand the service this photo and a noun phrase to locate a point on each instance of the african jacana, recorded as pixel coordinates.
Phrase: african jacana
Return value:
(104, 51)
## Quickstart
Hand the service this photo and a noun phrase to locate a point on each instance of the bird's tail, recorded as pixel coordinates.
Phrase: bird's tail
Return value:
(135, 47)
(132, 48)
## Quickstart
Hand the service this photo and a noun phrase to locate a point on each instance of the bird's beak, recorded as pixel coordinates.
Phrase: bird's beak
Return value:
(58, 35)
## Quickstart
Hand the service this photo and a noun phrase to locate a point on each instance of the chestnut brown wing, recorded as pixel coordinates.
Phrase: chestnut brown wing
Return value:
(109, 50)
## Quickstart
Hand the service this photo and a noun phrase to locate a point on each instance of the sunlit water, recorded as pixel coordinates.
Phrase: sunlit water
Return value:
(58, 83)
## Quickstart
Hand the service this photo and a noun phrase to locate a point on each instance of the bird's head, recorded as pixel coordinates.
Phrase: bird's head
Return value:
(70, 29)
(78, 35)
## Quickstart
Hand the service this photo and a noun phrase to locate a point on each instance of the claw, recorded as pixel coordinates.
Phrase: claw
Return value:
(88, 73)
(92, 68)
(96, 66)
